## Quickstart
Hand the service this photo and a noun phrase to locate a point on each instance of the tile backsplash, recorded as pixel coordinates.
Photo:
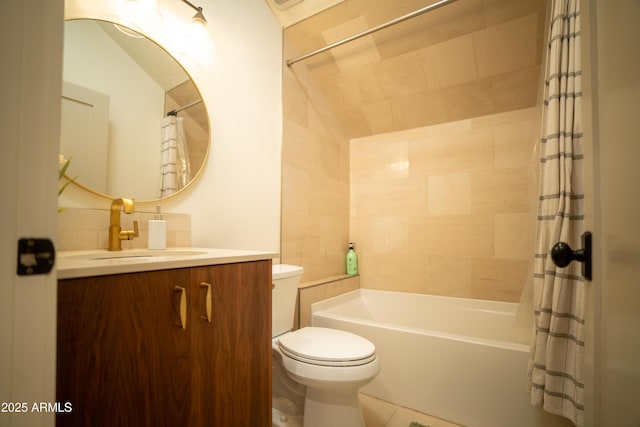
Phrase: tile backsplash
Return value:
(88, 229)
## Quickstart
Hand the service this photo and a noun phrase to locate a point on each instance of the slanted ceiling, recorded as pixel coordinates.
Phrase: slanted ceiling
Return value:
(466, 59)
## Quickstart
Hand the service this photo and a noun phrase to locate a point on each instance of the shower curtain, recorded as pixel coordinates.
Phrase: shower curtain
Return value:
(175, 169)
(557, 350)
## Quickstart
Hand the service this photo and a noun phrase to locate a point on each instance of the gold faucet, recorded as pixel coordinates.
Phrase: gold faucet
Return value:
(116, 234)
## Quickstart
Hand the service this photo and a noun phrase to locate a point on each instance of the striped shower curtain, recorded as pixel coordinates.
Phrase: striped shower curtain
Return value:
(556, 380)
(169, 151)
(175, 170)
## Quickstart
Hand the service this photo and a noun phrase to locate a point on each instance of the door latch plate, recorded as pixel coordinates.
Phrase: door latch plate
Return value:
(35, 256)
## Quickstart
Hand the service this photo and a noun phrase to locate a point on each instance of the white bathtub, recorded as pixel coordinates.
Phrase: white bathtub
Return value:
(447, 357)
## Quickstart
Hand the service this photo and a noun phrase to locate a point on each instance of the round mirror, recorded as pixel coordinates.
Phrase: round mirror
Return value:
(133, 122)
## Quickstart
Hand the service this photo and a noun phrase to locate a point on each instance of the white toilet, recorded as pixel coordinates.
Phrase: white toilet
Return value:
(327, 366)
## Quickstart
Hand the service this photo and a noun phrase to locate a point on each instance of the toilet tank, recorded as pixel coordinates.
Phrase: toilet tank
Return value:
(283, 297)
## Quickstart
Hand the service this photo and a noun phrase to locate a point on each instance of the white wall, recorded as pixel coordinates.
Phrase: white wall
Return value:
(237, 66)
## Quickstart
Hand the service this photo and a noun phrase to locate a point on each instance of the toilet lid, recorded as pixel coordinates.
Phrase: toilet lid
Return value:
(327, 347)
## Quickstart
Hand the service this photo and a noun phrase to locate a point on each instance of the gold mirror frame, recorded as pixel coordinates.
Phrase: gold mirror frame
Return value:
(205, 120)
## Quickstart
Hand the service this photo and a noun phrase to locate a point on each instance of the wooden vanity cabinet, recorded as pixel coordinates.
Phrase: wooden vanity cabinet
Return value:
(231, 355)
(129, 355)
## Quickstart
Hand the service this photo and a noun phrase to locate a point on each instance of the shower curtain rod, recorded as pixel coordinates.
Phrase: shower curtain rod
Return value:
(410, 15)
(177, 110)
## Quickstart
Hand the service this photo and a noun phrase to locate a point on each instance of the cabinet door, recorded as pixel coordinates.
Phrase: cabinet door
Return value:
(232, 353)
(122, 358)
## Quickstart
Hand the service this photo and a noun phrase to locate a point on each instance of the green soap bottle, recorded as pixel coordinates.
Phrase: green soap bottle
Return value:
(352, 261)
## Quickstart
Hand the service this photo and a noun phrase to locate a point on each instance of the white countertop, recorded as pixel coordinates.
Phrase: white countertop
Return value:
(75, 264)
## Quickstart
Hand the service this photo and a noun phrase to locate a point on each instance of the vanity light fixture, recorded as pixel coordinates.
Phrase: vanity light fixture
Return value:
(198, 18)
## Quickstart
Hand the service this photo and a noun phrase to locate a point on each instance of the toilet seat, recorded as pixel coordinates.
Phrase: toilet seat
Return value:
(327, 347)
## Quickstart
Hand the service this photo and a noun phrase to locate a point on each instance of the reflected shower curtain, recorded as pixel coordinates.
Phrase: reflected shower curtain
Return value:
(557, 351)
(183, 165)
(175, 168)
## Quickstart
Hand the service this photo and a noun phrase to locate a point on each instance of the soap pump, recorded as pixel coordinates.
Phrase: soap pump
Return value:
(157, 231)
(352, 260)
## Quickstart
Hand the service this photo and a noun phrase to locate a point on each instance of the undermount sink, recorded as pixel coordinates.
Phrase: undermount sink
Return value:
(105, 255)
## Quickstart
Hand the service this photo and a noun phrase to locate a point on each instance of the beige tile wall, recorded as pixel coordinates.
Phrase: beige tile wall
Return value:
(315, 180)
(447, 209)
(466, 59)
(438, 188)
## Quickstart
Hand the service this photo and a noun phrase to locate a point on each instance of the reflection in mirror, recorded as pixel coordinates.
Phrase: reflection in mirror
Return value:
(133, 121)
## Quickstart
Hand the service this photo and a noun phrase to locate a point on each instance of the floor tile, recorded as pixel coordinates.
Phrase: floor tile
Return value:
(379, 413)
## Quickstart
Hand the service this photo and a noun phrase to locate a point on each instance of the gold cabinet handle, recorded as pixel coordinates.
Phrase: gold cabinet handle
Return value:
(207, 317)
(182, 306)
